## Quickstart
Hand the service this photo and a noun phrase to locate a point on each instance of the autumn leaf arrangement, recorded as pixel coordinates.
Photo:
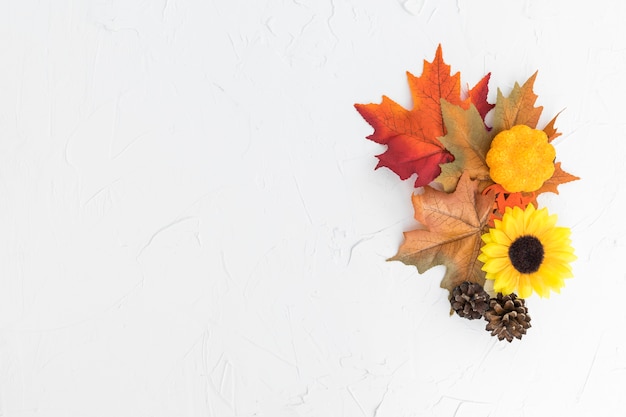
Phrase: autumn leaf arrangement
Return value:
(476, 193)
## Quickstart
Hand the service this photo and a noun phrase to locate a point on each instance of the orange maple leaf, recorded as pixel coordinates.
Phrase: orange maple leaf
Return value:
(454, 224)
(550, 130)
(411, 135)
(559, 177)
(504, 199)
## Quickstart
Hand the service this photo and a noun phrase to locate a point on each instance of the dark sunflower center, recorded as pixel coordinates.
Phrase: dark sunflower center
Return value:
(526, 254)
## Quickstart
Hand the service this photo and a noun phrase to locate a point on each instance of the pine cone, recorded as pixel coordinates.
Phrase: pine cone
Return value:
(508, 317)
(469, 300)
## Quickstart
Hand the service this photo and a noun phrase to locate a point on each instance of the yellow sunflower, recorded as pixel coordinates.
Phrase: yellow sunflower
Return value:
(525, 251)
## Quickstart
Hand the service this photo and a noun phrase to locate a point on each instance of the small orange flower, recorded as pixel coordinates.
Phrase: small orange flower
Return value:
(521, 159)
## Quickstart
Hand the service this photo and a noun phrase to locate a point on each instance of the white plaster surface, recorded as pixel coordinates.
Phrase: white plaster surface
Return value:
(190, 222)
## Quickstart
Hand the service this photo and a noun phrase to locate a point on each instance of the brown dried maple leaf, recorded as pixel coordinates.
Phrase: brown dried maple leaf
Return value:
(454, 224)
(411, 135)
(518, 108)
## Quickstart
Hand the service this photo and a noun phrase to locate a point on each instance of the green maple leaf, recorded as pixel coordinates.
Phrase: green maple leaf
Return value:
(468, 140)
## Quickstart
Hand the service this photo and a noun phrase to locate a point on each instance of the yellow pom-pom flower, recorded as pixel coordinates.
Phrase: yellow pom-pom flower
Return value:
(521, 159)
(526, 252)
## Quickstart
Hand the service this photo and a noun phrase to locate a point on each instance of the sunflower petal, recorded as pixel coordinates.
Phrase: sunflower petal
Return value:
(524, 289)
(500, 237)
(493, 250)
(496, 265)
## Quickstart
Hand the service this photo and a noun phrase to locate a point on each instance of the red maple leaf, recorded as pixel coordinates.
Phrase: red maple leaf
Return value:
(412, 135)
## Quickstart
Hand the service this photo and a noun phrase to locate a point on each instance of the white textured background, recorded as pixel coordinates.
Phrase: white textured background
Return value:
(190, 222)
